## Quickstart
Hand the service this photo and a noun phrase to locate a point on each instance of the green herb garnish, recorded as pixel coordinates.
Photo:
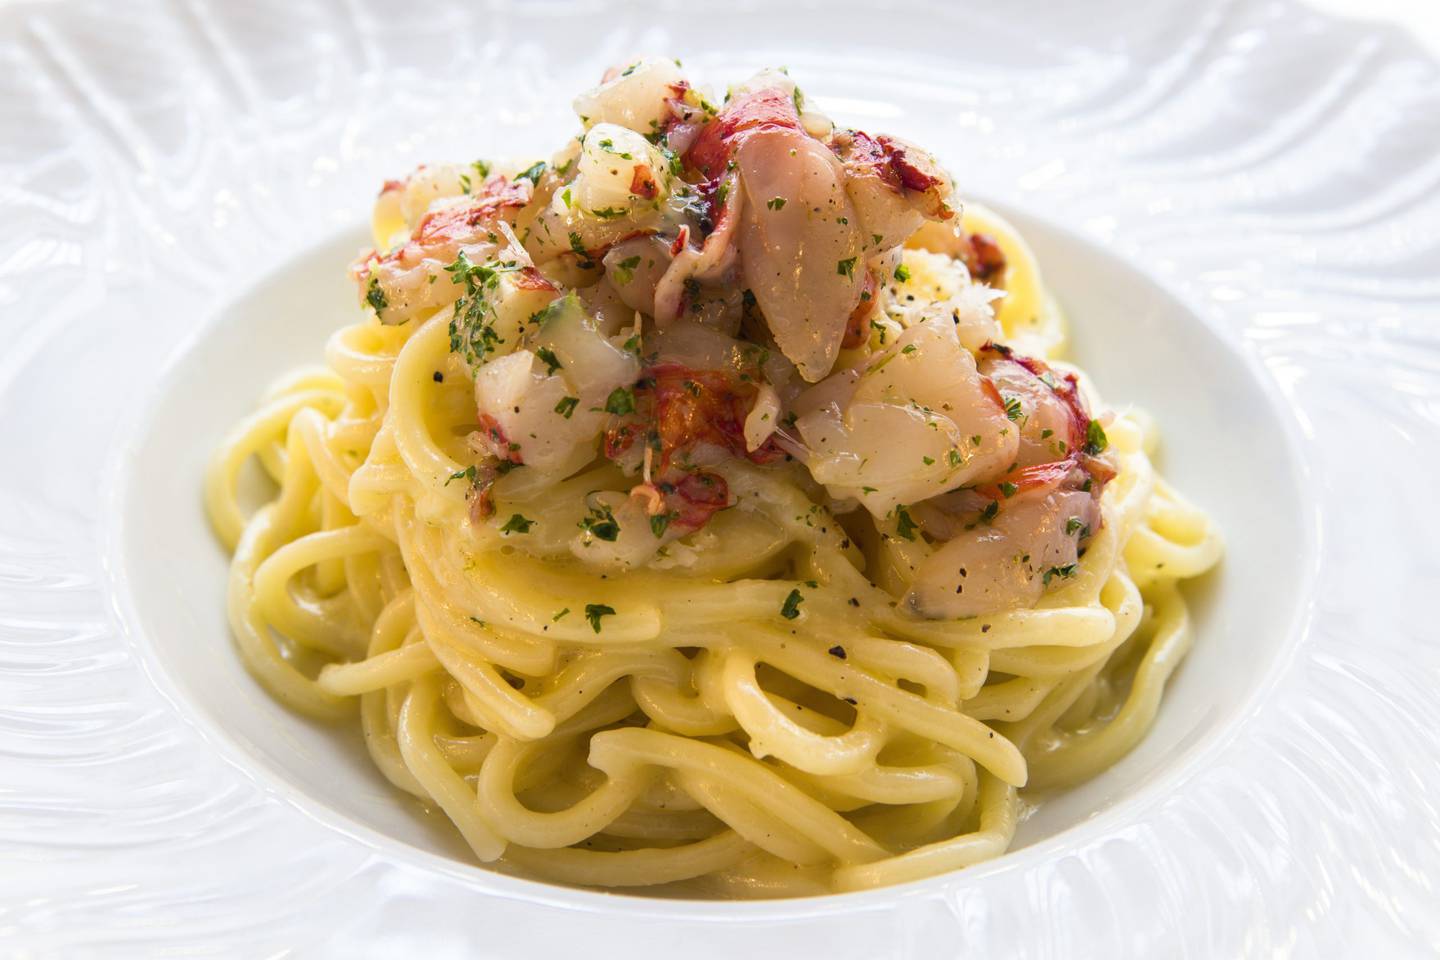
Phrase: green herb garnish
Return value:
(552, 362)
(621, 401)
(904, 526)
(518, 523)
(1095, 439)
(594, 611)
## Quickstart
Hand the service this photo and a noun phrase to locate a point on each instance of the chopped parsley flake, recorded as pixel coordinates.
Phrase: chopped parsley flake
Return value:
(601, 524)
(775, 203)
(375, 296)
(791, 608)
(608, 146)
(577, 247)
(533, 173)
(566, 406)
(621, 401)
(1095, 439)
(552, 362)
(594, 611)
(846, 267)
(902, 273)
(518, 523)
(904, 526)
(624, 271)
(469, 473)
(1007, 488)
(1063, 573)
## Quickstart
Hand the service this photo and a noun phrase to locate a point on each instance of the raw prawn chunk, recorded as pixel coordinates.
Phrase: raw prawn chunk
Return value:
(623, 532)
(544, 404)
(895, 186)
(402, 204)
(411, 280)
(920, 420)
(800, 246)
(619, 190)
(1004, 560)
(798, 238)
(634, 269)
(1044, 405)
(636, 96)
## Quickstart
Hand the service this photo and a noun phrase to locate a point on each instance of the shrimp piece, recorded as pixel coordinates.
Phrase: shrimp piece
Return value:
(692, 265)
(1005, 560)
(619, 170)
(543, 405)
(895, 186)
(798, 238)
(918, 421)
(1044, 405)
(634, 269)
(517, 403)
(621, 188)
(696, 398)
(625, 531)
(403, 203)
(1005, 540)
(503, 298)
(800, 246)
(636, 97)
(411, 280)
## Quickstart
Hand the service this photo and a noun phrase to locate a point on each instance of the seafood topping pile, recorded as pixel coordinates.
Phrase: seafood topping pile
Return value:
(689, 283)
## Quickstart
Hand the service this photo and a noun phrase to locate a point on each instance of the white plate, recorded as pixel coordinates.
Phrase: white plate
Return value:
(1272, 169)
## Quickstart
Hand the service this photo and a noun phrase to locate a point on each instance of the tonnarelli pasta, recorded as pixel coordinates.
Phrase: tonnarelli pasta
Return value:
(707, 504)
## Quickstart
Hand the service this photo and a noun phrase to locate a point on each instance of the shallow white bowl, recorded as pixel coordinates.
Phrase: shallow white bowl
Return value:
(1139, 344)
